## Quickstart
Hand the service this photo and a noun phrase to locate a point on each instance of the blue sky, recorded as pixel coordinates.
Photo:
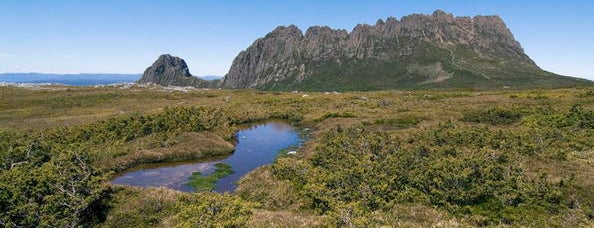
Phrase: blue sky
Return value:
(125, 36)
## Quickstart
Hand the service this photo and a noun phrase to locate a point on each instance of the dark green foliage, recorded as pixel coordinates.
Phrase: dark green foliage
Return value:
(494, 115)
(49, 178)
(127, 128)
(290, 115)
(56, 193)
(556, 134)
(589, 93)
(157, 207)
(336, 115)
(577, 117)
(469, 171)
(134, 207)
(202, 183)
(213, 210)
(399, 123)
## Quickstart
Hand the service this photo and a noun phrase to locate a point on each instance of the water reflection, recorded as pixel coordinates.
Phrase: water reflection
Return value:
(257, 146)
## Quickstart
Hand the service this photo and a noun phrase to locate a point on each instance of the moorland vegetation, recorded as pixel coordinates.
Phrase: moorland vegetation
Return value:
(400, 158)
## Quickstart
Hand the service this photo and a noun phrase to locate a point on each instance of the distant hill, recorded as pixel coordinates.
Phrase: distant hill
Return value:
(417, 51)
(69, 79)
(210, 77)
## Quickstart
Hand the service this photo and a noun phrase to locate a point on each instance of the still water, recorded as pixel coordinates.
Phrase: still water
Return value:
(257, 146)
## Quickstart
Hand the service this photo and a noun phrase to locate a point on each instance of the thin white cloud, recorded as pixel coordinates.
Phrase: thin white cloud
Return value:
(5, 54)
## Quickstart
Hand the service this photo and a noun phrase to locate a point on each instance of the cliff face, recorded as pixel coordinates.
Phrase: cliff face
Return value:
(417, 51)
(169, 70)
(271, 58)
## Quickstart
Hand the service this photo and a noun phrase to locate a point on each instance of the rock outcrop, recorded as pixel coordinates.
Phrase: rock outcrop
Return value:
(172, 71)
(417, 51)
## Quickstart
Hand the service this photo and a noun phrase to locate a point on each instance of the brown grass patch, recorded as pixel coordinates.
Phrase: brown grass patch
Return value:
(264, 188)
(262, 218)
(192, 146)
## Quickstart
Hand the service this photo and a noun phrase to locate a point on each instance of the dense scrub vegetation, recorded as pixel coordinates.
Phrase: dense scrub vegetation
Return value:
(52, 177)
(472, 172)
(133, 207)
(416, 158)
(493, 116)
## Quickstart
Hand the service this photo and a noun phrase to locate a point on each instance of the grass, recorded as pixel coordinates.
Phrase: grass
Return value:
(547, 135)
(180, 147)
(494, 115)
(141, 207)
(399, 123)
(202, 183)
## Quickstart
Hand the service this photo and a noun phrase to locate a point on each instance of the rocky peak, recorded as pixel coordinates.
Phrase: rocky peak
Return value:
(280, 44)
(169, 70)
(167, 64)
(286, 32)
(323, 43)
(442, 16)
(380, 22)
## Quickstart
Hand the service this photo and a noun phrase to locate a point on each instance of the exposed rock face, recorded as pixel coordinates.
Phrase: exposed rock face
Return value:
(271, 57)
(172, 71)
(417, 51)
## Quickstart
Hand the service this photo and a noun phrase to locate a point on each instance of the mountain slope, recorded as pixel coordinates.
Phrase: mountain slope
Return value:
(418, 51)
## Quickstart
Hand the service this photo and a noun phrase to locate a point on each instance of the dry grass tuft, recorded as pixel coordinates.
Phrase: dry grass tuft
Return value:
(192, 145)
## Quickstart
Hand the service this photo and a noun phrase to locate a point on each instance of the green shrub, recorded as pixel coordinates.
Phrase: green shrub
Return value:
(49, 178)
(577, 117)
(470, 171)
(400, 123)
(495, 115)
(589, 93)
(338, 115)
(213, 210)
(290, 115)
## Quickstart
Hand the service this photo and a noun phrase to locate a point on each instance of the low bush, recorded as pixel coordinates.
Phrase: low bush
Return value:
(212, 210)
(495, 115)
(400, 123)
(51, 178)
(469, 171)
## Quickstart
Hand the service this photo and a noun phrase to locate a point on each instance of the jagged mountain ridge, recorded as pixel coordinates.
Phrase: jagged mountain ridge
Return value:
(417, 51)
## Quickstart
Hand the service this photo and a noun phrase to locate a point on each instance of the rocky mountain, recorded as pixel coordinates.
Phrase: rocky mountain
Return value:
(173, 71)
(417, 51)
